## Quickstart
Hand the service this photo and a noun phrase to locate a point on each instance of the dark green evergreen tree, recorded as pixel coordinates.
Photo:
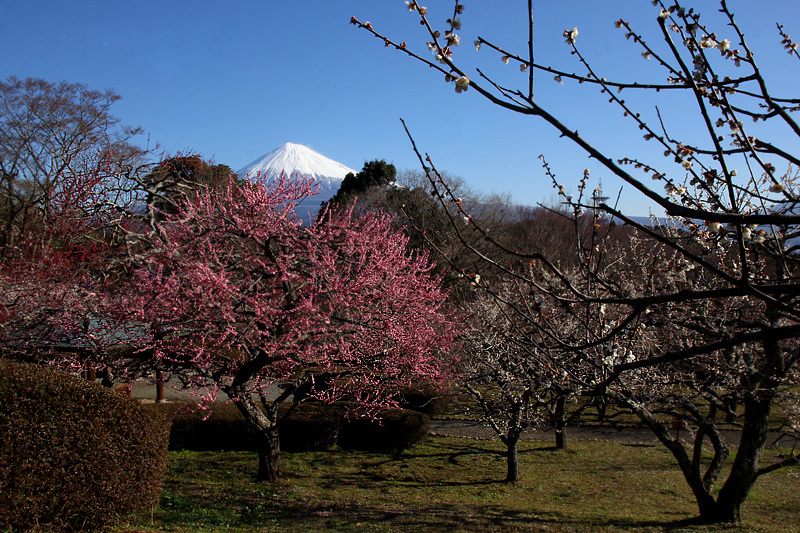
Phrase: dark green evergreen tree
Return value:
(376, 173)
(182, 175)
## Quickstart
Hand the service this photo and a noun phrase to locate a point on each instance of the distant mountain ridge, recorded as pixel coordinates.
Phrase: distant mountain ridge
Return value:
(297, 161)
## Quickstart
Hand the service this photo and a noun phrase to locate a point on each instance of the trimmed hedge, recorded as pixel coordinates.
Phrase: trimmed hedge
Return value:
(395, 430)
(310, 426)
(425, 400)
(74, 455)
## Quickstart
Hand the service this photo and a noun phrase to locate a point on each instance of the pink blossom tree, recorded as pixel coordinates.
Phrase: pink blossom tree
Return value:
(245, 297)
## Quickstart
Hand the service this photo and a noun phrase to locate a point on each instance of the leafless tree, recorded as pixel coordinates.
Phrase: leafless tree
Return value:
(720, 301)
(49, 134)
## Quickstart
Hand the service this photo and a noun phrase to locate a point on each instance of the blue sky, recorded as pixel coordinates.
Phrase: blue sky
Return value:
(232, 80)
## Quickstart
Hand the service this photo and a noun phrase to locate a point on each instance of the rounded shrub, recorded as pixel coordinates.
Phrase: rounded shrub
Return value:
(74, 455)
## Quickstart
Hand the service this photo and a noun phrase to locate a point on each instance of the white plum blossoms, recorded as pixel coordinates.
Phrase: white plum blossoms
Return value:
(571, 35)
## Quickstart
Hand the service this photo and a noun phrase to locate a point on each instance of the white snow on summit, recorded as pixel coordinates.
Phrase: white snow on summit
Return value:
(298, 160)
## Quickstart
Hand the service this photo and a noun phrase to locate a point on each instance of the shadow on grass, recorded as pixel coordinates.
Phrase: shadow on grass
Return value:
(415, 490)
(312, 516)
(453, 454)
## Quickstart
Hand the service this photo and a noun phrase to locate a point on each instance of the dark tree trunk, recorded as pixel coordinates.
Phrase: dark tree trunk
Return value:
(746, 464)
(265, 422)
(512, 459)
(690, 470)
(108, 378)
(757, 403)
(560, 422)
(269, 455)
(601, 406)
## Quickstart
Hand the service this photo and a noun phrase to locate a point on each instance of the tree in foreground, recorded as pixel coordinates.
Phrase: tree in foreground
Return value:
(722, 299)
(245, 299)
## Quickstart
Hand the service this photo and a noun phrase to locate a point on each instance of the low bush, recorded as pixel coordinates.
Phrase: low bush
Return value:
(395, 430)
(309, 426)
(312, 426)
(74, 455)
(426, 400)
(222, 428)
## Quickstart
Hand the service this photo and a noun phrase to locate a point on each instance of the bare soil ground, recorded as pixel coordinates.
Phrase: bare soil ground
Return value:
(614, 433)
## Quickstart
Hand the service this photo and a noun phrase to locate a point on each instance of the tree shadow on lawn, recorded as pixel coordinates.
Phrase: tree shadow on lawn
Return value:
(441, 516)
(417, 467)
(456, 453)
(407, 491)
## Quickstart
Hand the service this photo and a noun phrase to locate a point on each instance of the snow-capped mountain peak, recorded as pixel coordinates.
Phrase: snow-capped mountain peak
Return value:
(297, 160)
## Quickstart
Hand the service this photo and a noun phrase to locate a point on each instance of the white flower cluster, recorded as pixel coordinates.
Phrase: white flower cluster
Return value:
(750, 233)
(452, 39)
(571, 35)
(615, 355)
(411, 5)
(462, 84)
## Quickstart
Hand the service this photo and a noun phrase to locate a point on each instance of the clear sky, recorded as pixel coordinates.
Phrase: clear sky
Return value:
(233, 80)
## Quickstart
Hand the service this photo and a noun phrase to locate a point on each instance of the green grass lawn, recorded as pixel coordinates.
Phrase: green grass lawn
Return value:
(452, 484)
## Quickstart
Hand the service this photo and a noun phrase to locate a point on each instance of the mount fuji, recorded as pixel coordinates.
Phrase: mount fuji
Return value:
(297, 160)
